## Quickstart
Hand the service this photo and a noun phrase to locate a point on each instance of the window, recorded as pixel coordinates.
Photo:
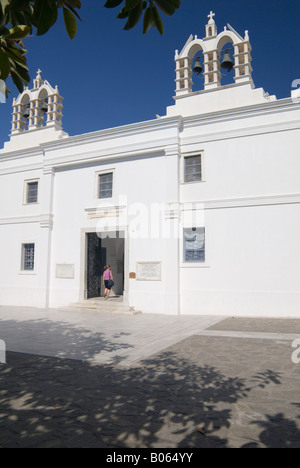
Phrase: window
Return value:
(105, 185)
(192, 168)
(27, 257)
(31, 192)
(194, 244)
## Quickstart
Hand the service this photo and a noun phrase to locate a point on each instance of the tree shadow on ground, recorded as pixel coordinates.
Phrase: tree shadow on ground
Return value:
(48, 401)
(166, 401)
(45, 337)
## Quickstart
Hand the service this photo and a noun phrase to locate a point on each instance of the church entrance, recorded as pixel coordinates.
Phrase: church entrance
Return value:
(100, 252)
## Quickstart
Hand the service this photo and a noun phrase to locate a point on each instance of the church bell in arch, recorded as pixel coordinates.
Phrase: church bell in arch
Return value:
(197, 67)
(227, 61)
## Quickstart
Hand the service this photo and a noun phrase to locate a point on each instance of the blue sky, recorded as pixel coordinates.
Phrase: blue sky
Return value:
(111, 77)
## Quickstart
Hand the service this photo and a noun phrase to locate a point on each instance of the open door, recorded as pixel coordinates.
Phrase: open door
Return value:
(100, 252)
(96, 261)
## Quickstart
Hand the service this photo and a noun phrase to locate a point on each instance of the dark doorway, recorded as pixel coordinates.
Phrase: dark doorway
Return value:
(96, 261)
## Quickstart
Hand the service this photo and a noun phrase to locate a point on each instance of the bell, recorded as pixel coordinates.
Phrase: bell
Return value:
(197, 67)
(227, 61)
(44, 106)
(26, 111)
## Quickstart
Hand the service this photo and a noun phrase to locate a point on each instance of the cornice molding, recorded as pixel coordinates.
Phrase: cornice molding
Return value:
(163, 123)
(241, 132)
(263, 200)
(245, 112)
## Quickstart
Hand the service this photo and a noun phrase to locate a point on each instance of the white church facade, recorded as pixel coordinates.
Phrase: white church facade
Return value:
(197, 211)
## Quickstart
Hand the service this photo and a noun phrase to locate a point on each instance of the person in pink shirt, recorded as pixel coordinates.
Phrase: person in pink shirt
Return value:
(107, 281)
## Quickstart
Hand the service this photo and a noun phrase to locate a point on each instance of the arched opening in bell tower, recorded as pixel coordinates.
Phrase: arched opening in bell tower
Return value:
(197, 64)
(25, 112)
(226, 58)
(43, 106)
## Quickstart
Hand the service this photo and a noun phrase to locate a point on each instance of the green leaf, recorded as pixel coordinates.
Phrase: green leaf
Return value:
(123, 14)
(4, 4)
(7, 90)
(17, 81)
(72, 3)
(4, 65)
(134, 17)
(67, 4)
(112, 3)
(157, 20)
(44, 16)
(148, 20)
(70, 23)
(16, 55)
(19, 32)
(22, 72)
(176, 3)
(19, 5)
(3, 21)
(4, 32)
(166, 6)
(131, 4)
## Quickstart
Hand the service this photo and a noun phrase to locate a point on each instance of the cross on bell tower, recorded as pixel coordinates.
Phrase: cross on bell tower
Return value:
(211, 27)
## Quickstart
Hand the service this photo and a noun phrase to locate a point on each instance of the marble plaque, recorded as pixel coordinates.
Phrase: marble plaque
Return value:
(148, 271)
(65, 270)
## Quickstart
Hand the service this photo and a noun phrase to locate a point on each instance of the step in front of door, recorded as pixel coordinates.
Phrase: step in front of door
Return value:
(107, 306)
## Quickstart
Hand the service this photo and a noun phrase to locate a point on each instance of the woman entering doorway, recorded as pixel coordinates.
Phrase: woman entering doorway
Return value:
(108, 281)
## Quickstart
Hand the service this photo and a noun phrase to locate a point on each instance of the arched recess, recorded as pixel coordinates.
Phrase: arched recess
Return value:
(43, 104)
(24, 111)
(225, 46)
(240, 51)
(196, 54)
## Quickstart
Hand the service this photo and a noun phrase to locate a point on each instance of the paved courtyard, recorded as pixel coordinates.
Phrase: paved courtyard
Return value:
(83, 379)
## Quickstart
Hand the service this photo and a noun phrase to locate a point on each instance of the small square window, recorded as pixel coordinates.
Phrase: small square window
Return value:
(192, 168)
(105, 185)
(28, 257)
(32, 192)
(194, 244)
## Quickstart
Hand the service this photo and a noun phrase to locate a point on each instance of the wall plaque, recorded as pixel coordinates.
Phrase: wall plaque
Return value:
(148, 271)
(65, 270)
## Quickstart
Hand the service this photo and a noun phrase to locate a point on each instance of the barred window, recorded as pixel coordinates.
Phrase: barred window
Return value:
(27, 257)
(194, 244)
(105, 185)
(192, 168)
(32, 192)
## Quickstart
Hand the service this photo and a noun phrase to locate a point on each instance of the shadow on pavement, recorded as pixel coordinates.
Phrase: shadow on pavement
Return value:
(201, 393)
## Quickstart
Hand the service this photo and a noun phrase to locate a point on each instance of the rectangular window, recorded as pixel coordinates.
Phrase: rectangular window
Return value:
(194, 244)
(32, 192)
(192, 169)
(105, 185)
(27, 257)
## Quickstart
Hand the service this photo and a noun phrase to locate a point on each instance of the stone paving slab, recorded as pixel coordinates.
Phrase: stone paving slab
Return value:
(258, 324)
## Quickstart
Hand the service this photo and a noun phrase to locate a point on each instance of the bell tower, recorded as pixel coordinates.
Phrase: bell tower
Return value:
(220, 64)
(36, 116)
(208, 54)
(208, 51)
